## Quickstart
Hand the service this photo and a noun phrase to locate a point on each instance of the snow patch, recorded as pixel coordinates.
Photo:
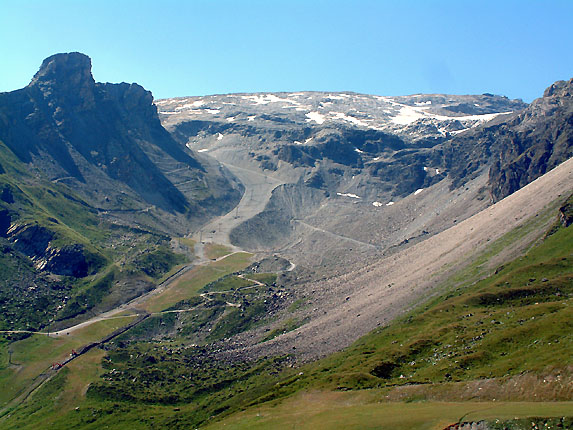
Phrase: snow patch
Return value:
(359, 151)
(418, 191)
(219, 136)
(354, 196)
(316, 117)
(437, 171)
(407, 115)
(338, 96)
(203, 150)
(377, 204)
(231, 119)
(479, 118)
(342, 116)
(251, 118)
(263, 99)
(426, 103)
(389, 203)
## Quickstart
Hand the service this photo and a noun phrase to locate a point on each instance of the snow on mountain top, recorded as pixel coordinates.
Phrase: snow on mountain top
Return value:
(413, 117)
(407, 115)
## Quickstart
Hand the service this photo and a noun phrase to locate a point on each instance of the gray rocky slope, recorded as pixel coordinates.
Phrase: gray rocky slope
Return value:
(374, 198)
(355, 176)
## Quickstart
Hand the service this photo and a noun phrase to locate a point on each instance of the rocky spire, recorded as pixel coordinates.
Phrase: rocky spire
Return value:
(67, 77)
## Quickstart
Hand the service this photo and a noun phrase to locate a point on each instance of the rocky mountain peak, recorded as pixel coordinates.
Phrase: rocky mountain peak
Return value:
(106, 142)
(560, 89)
(74, 68)
(67, 77)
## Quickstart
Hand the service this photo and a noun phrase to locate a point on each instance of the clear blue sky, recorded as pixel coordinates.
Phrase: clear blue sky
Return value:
(199, 47)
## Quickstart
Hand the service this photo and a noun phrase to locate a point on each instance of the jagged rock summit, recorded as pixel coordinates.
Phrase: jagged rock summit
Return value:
(106, 142)
(68, 76)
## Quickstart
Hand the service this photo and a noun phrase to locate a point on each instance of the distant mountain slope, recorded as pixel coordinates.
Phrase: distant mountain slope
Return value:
(384, 143)
(106, 141)
(362, 151)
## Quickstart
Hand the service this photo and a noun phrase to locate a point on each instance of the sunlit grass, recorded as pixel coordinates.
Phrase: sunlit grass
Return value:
(189, 284)
(35, 354)
(365, 410)
(214, 250)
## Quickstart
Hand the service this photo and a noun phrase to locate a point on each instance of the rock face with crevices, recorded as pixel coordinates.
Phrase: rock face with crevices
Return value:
(537, 140)
(381, 147)
(107, 143)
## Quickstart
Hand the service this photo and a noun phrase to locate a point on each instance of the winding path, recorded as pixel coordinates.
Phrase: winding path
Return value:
(258, 191)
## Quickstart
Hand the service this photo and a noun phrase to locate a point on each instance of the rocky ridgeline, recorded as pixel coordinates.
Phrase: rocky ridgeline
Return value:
(415, 118)
(387, 145)
(106, 142)
(537, 140)
(391, 146)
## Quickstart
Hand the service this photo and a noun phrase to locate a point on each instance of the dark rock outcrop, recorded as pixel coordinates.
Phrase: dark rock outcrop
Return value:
(517, 148)
(537, 140)
(106, 141)
(566, 213)
(36, 242)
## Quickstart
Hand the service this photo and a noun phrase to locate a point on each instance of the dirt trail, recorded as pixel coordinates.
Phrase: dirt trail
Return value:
(334, 235)
(130, 306)
(351, 305)
(258, 190)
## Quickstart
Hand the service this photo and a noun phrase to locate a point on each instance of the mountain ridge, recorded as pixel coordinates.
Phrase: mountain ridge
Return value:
(76, 130)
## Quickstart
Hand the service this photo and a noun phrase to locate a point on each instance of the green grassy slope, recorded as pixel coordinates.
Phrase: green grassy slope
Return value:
(506, 337)
(51, 215)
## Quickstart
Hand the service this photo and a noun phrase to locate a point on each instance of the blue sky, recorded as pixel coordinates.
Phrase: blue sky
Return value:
(199, 47)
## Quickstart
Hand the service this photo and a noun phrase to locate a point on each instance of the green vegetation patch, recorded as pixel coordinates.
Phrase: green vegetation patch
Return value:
(227, 283)
(265, 278)
(157, 261)
(240, 319)
(214, 250)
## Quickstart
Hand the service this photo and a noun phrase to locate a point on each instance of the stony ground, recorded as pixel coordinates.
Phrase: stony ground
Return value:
(345, 307)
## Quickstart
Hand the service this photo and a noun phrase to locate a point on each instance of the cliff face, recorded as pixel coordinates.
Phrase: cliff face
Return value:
(539, 139)
(35, 242)
(107, 142)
